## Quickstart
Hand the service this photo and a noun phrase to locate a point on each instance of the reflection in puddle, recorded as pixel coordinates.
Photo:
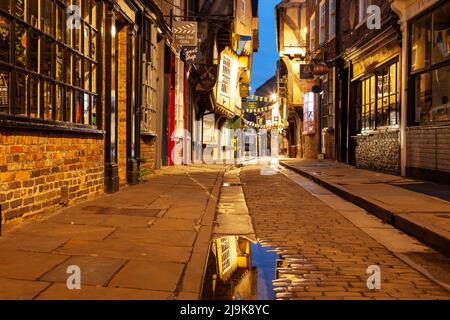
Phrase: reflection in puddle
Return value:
(239, 269)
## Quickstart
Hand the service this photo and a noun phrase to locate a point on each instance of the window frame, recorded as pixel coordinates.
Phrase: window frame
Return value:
(312, 32)
(322, 22)
(331, 20)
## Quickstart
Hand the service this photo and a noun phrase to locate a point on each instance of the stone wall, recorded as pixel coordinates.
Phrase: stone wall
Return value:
(328, 144)
(379, 151)
(310, 146)
(40, 170)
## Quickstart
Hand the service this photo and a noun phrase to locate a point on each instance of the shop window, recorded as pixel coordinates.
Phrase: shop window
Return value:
(377, 99)
(430, 66)
(5, 39)
(149, 78)
(48, 71)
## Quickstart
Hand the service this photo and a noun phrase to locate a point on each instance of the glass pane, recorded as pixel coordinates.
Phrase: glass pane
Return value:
(5, 5)
(20, 105)
(46, 61)
(440, 110)
(21, 9)
(94, 78)
(47, 10)
(86, 40)
(69, 105)
(68, 62)
(34, 51)
(20, 45)
(420, 43)
(4, 91)
(441, 35)
(94, 13)
(34, 13)
(87, 106)
(59, 116)
(59, 63)
(77, 71)
(77, 39)
(48, 100)
(393, 98)
(94, 111)
(60, 22)
(423, 97)
(87, 75)
(5, 39)
(93, 44)
(78, 107)
(34, 97)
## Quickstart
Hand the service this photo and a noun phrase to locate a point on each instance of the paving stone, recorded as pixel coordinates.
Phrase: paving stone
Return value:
(60, 292)
(11, 289)
(26, 265)
(139, 274)
(96, 271)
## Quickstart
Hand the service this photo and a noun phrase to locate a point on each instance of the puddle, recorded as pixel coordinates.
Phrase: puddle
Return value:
(241, 269)
(232, 184)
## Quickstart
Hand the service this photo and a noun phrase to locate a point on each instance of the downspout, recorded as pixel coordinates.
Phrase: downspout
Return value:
(338, 73)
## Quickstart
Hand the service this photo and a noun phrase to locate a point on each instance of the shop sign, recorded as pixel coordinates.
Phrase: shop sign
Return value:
(190, 55)
(306, 71)
(185, 33)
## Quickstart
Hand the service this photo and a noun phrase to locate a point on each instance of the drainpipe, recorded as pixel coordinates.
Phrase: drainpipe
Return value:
(336, 82)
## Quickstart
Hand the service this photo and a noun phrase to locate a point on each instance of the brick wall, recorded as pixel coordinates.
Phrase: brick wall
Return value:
(148, 156)
(379, 151)
(428, 148)
(328, 143)
(37, 167)
(310, 146)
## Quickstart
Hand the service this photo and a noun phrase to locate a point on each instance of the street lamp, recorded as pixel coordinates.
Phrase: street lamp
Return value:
(274, 97)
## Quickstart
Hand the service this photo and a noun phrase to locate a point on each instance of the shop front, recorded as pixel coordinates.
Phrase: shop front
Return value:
(374, 109)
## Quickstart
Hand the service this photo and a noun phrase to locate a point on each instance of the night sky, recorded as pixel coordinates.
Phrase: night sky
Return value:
(265, 60)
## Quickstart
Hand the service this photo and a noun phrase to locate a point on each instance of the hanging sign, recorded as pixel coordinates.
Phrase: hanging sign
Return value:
(306, 71)
(185, 33)
(191, 55)
(208, 76)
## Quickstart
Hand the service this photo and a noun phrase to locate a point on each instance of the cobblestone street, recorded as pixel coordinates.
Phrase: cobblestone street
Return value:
(329, 254)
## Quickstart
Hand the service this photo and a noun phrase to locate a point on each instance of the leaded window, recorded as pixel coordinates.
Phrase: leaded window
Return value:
(48, 66)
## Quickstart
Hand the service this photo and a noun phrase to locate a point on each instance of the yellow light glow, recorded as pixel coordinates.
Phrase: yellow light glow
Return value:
(113, 30)
(274, 97)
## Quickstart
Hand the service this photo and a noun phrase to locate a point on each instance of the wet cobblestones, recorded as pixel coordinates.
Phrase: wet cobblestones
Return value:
(322, 254)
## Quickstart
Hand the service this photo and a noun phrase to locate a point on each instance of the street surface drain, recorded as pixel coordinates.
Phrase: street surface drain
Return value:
(241, 269)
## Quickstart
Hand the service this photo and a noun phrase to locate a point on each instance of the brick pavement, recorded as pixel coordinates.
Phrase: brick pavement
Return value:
(325, 255)
(148, 241)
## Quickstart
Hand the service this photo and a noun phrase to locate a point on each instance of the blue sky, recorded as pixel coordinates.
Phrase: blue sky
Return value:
(265, 60)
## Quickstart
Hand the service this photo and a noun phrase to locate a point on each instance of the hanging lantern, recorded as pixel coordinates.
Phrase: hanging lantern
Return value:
(320, 69)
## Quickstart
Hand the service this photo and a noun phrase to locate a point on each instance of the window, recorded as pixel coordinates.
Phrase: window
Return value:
(326, 101)
(43, 75)
(332, 19)
(308, 113)
(430, 66)
(312, 33)
(322, 17)
(377, 99)
(149, 78)
(226, 257)
(226, 75)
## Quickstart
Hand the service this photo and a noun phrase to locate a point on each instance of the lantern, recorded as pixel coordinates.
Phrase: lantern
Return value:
(320, 69)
